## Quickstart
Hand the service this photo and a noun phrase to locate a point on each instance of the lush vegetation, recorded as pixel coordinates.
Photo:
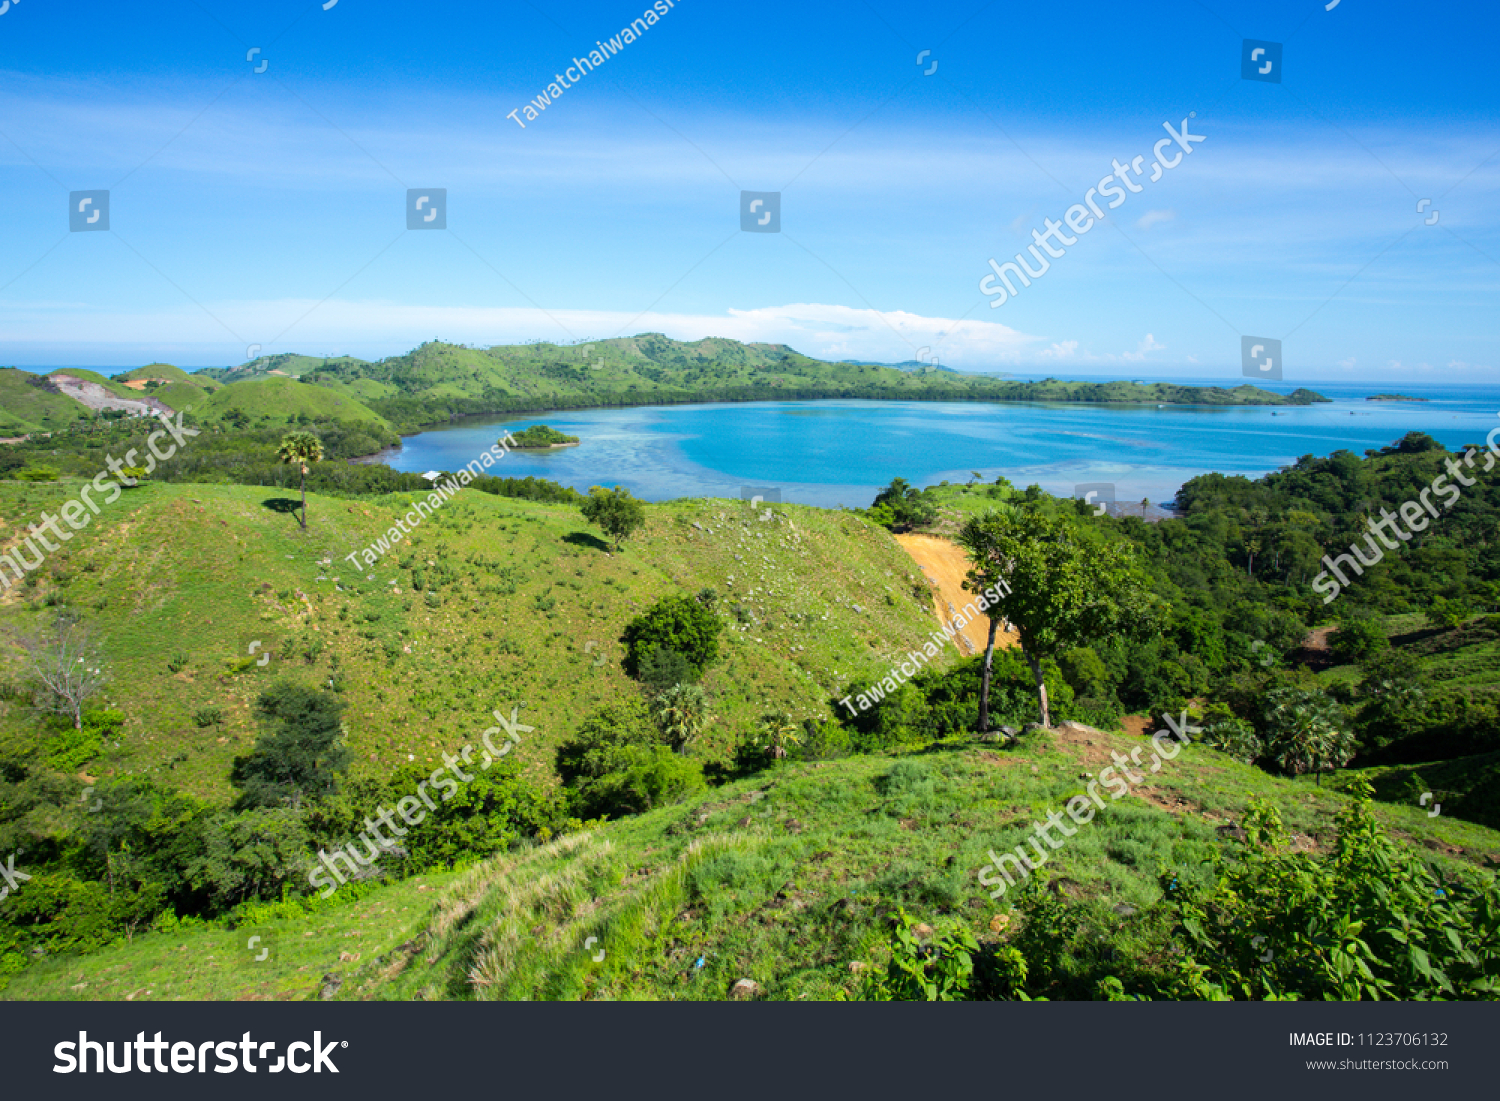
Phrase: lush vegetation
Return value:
(540, 436)
(688, 786)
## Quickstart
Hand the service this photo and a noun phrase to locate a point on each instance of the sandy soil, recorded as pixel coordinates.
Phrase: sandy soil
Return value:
(944, 565)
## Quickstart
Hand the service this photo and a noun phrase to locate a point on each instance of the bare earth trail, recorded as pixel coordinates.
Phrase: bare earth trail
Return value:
(945, 564)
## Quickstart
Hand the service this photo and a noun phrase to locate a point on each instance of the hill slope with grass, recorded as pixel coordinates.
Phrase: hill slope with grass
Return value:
(789, 879)
(437, 380)
(272, 400)
(165, 372)
(28, 404)
(492, 603)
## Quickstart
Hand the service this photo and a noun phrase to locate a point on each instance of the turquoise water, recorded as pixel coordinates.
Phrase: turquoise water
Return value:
(840, 452)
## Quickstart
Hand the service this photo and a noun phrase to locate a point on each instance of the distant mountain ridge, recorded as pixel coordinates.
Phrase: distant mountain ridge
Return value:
(437, 382)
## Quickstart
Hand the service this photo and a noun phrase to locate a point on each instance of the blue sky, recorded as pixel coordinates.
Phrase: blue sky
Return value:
(269, 208)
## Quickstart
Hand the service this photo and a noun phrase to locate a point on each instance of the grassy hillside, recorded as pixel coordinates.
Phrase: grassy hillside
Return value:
(435, 380)
(788, 878)
(1460, 675)
(165, 372)
(520, 605)
(290, 365)
(27, 406)
(282, 401)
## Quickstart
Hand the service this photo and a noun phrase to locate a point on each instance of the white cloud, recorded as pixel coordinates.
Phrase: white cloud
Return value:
(1347, 364)
(1141, 349)
(1154, 218)
(384, 327)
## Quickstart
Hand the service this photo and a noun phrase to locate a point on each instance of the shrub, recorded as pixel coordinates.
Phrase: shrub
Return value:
(210, 715)
(1358, 640)
(301, 752)
(941, 972)
(822, 741)
(664, 668)
(1305, 730)
(1225, 730)
(1367, 921)
(675, 623)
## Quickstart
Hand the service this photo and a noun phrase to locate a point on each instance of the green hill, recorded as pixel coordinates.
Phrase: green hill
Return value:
(27, 405)
(517, 594)
(165, 372)
(282, 401)
(788, 878)
(288, 364)
(435, 380)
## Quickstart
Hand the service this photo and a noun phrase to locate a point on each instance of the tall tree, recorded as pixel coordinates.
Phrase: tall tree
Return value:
(615, 511)
(1064, 587)
(301, 448)
(300, 753)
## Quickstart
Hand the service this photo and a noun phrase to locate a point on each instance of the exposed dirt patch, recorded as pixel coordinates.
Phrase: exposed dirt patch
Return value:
(1315, 651)
(95, 396)
(1138, 725)
(944, 564)
(1090, 747)
(1169, 801)
(997, 758)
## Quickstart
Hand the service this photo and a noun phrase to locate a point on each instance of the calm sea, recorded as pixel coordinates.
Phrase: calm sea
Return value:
(841, 452)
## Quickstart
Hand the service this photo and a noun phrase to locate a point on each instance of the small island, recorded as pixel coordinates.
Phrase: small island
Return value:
(1394, 397)
(539, 437)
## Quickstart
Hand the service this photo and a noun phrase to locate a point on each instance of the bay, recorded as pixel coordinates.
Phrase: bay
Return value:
(833, 453)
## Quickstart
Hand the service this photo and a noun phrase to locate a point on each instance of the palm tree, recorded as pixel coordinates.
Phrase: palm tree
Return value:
(682, 712)
(301, 448)
(780, 731)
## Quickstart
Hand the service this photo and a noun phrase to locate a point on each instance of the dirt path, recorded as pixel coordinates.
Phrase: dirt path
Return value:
(945, 564)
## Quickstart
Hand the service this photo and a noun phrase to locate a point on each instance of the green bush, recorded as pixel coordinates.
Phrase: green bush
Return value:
(1305, 730)
(1366, 921)
(663, 668)
(1358, 640)
(940, 972)
(673, 623)
(300, 754)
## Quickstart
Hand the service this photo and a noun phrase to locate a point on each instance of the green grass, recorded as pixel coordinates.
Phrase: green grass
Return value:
(198, 962)
(787, 878)
(282, 400)
(522, 589)
(25, 407)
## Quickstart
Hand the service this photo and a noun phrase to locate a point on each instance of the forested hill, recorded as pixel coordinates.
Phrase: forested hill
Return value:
(437, 381)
